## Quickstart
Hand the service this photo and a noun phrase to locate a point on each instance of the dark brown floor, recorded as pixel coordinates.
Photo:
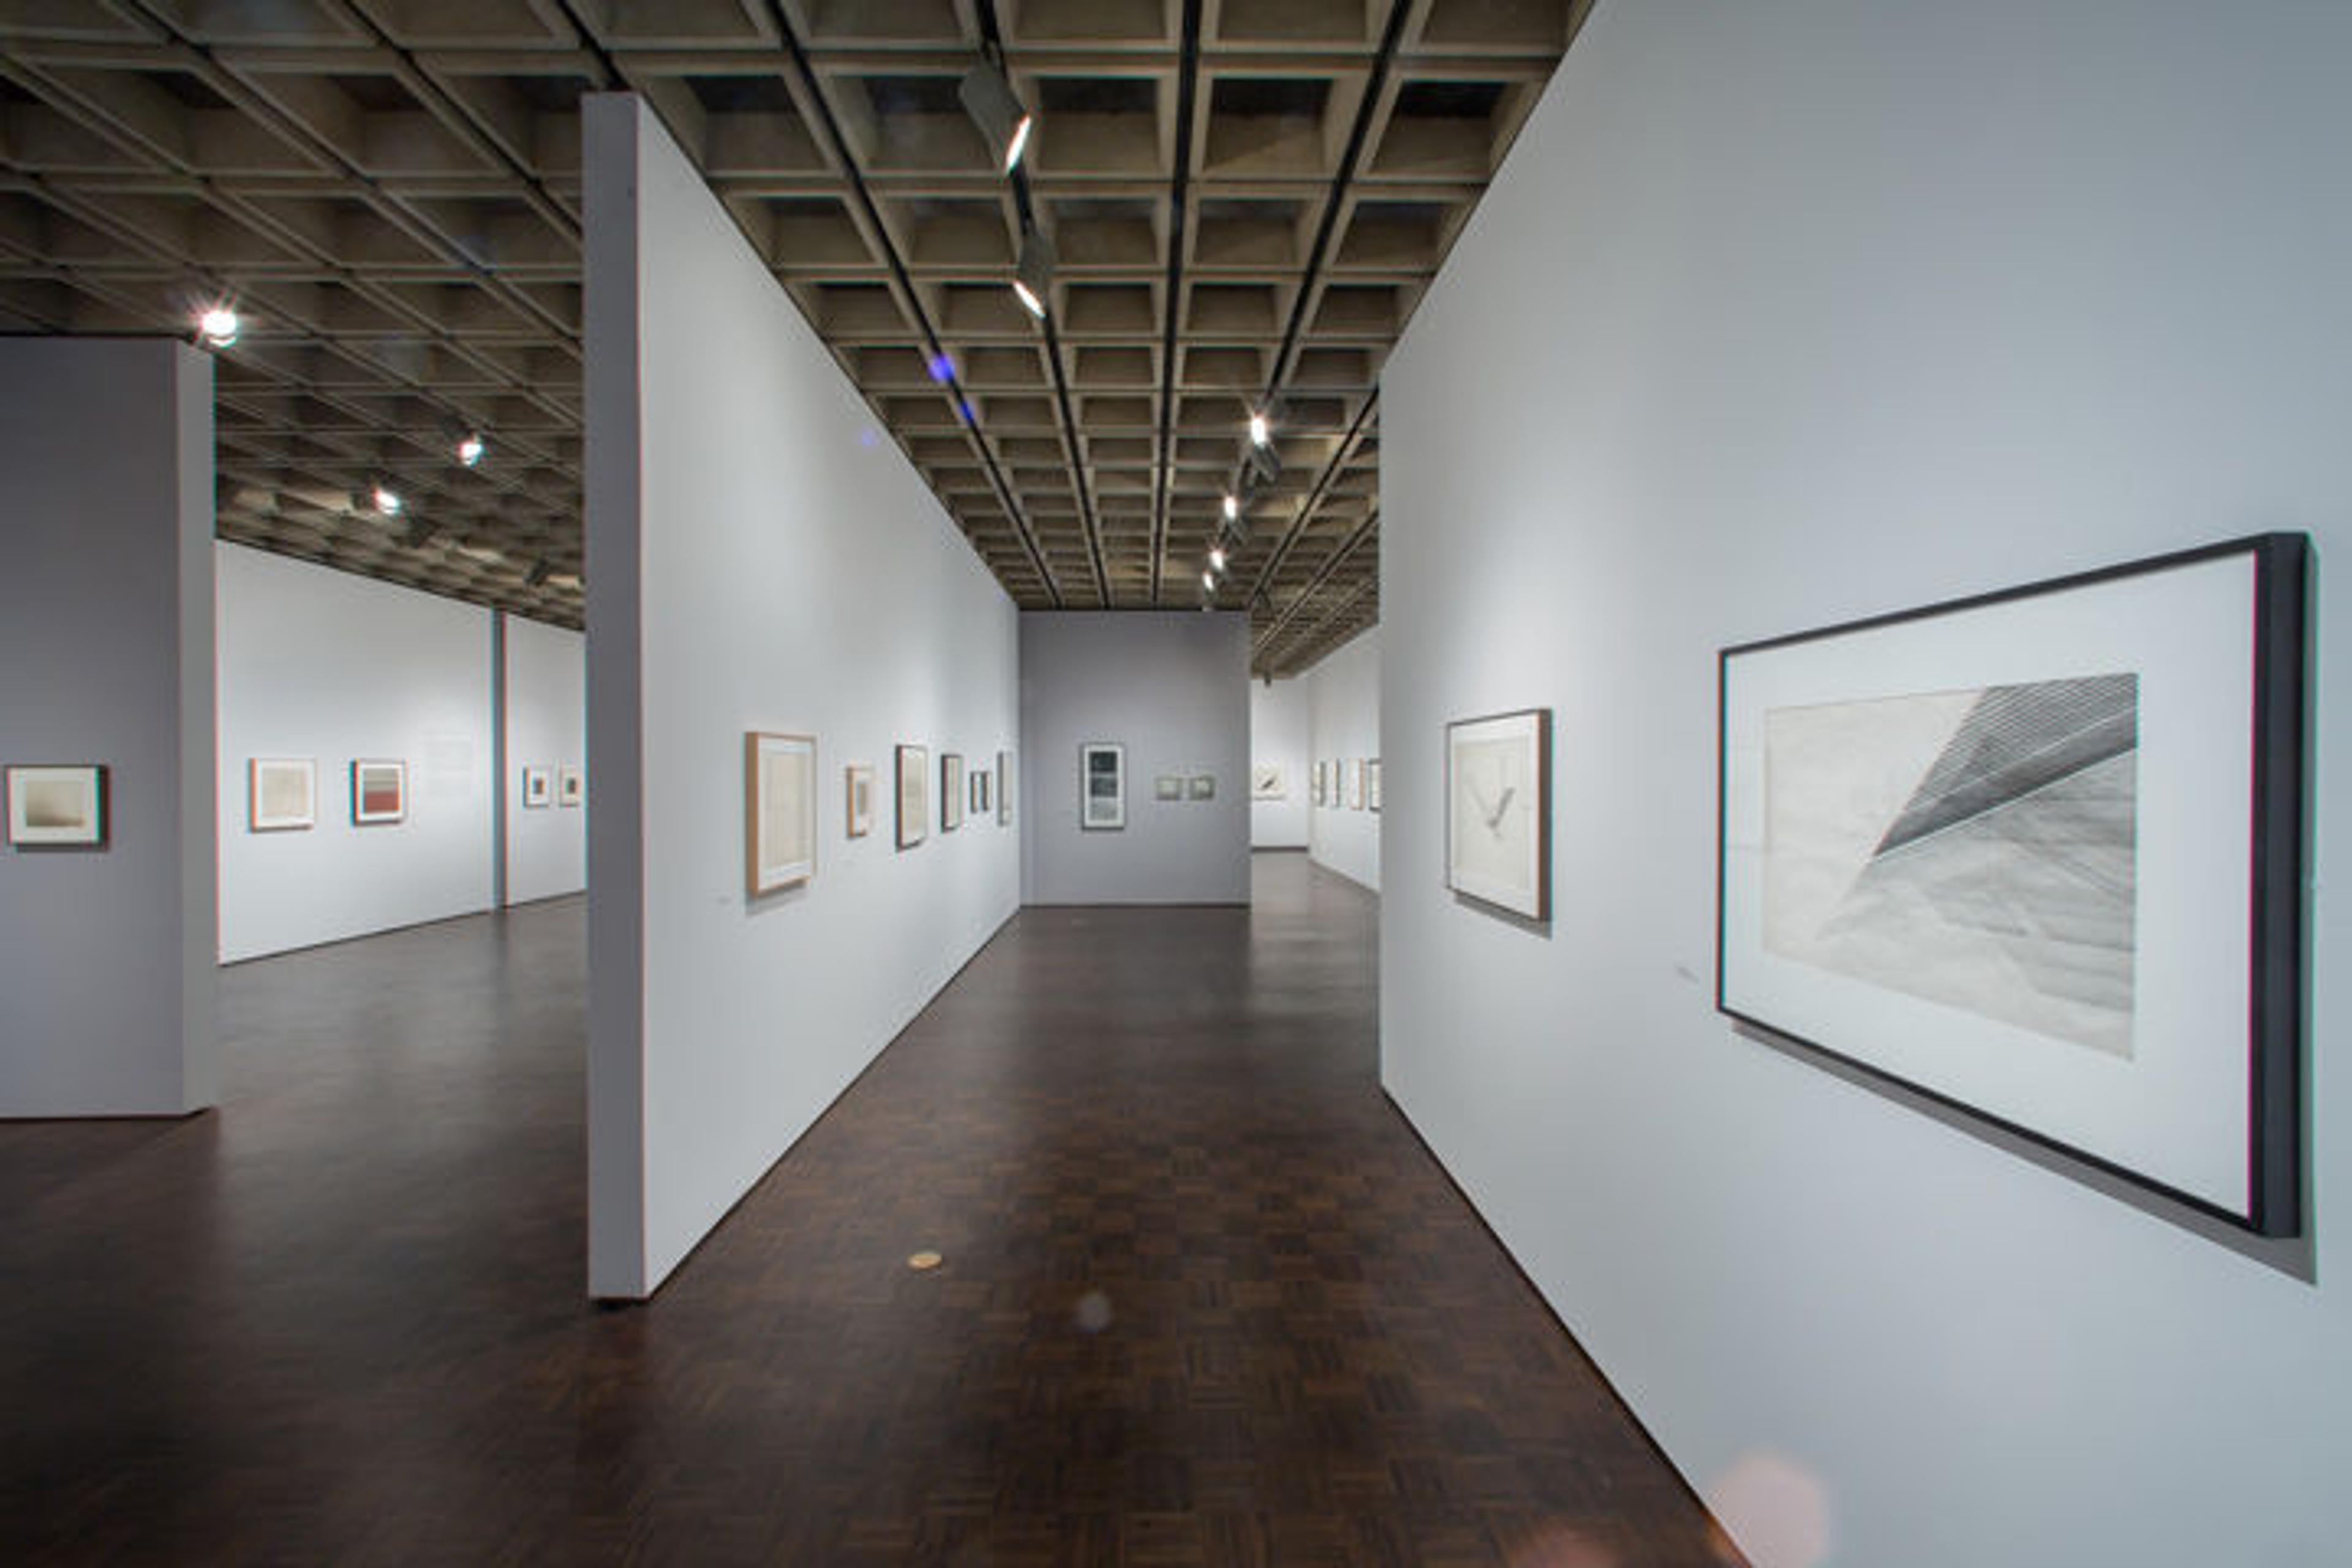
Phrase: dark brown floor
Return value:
(1205, 1299)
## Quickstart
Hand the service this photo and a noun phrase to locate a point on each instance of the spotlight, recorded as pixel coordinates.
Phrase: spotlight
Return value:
(218, 326)
(1263, 464)
(471, 449)
(988, 97)
(1216, 558)
(1033, 275)
(1208, 581)
(387, 500)
(539, 573)
(1260, 432)
(1233, 508)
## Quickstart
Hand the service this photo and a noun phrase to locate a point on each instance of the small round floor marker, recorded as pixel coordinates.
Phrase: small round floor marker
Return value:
(924, 1261)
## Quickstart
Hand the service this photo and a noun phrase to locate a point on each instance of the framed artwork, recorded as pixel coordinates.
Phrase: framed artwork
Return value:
(1267, 781)
(58, 805)
(1003, 789)
(537, 788)
(281, 794)
(1201, 787)
(1355, 773)
(2037, 854)
(914, 795)
(1102, 786)
(1499, 811)
(571, 784)
(1322, 783)
(779, 811)
(977, 782)
(1372, 783)
(861, 800)
(379, 792)
(951, 791)
(1168, 786)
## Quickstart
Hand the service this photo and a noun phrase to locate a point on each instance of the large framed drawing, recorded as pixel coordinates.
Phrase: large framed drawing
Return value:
(914, 795)
(861, 800)
(779, 811)
(281, 794)
(379, 792)
(1102, 786)
(1003, 789)
(56, 807)
(2037, 854)
(1499, 811)
(951, 791)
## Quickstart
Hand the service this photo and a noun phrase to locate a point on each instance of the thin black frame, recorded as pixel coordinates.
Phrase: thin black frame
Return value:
(2275, 985)
(1543, 811)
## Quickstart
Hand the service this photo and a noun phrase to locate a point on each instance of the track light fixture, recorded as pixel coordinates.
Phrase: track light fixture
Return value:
(470, 447)
(1263, 464)
(538, 573)
(1216, 558)
(1261, 433)
(421, 532)
(1032, 274)
(988, 97)
(1232, 507)
(218, 326)
(1208, 583)
(385, 500)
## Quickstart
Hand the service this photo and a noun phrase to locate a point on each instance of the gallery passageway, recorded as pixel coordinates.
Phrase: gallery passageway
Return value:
(1204, 1299)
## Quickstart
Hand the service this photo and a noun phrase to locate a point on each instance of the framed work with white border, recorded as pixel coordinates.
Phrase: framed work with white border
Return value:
(1102, 786)
(860, 793)
(914, 795)
(571, 786)
(56, 807)
(379, 792)
(951, 791)
(779, 811)
(1499, 811)
(2037, 855)
(537, 788)
(281, 794)
(1003, 789)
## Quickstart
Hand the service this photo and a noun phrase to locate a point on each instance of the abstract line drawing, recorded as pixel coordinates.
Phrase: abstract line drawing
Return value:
(1976, 848)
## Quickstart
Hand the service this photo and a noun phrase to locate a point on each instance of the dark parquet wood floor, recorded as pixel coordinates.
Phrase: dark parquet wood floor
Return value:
(1205, 1299)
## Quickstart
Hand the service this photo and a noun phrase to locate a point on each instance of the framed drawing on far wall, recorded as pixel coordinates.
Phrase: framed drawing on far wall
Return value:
(951, 791)
(1168, 786)
(1499, 811)
(1317, 792)
(537, 788)
(1201, 787)
(281, 794)
(379, 792)
(1372, 783)
(1003, 789)
(1355, 773)
(1267, 781)
(780, 810)
(2037, 854)
(1102, 786)
(914, 795)
(571, 784)
(860, 793)
(56, 807)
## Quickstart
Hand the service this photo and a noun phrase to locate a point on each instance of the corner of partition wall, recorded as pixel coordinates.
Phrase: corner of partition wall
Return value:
(199, 738)
(610, 138)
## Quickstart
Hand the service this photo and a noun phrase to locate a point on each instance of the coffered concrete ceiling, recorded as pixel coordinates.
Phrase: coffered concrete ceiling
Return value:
(1247, 198)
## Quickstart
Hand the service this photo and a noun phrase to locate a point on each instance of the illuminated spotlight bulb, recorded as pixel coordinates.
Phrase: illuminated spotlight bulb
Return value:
(1032, 273)
(218, 326)
(1260, 435)
(1233, 508)
(387, 500)
(1208, 581)
(470, 450)
(1003, 120)
(1216, 558)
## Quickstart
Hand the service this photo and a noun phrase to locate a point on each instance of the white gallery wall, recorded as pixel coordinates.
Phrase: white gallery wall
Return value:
(1281, 725)
(1344, 699)
(761, 556)
(1172, 687)
(543, 700)
(335, 667)
(1780, 316)
(106, 639)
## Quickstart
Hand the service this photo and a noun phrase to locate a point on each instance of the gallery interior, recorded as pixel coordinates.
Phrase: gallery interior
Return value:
(1260, 781)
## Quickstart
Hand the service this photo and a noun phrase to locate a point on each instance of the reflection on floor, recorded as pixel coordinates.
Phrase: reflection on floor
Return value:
(1205, 1300)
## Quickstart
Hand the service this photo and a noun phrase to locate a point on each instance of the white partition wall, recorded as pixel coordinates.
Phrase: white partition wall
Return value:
(106, 648)
(324, 667)
(761, 556)
(1281, 724)
(543, 697)
(1780, 316)
(1173, 688)
(1343, 695)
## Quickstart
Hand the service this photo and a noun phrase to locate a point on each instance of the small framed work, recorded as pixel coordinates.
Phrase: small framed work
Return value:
(379, 792)
(571, 786)
(914, 795)
(951, 791)
(1201, 787)
(281, 794)
(779, 811)
(1168, 786)
(1003, 789)
(57, 807)
(1267, 781)
(2037, 854)
(860, 793)
(1355, 773)
(976, 785)
(537, 788)
(1322, 790)
(1102, 786)
(1499, 811)
(1372, 783)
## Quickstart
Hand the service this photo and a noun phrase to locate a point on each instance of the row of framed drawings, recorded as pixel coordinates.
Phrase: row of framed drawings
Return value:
(779, 795)
(544, 786)
(1353, 782)
(282, 794)
(2034, 854)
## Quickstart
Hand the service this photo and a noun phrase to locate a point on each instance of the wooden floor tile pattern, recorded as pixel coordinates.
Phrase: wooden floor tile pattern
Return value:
(1205, 1300)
